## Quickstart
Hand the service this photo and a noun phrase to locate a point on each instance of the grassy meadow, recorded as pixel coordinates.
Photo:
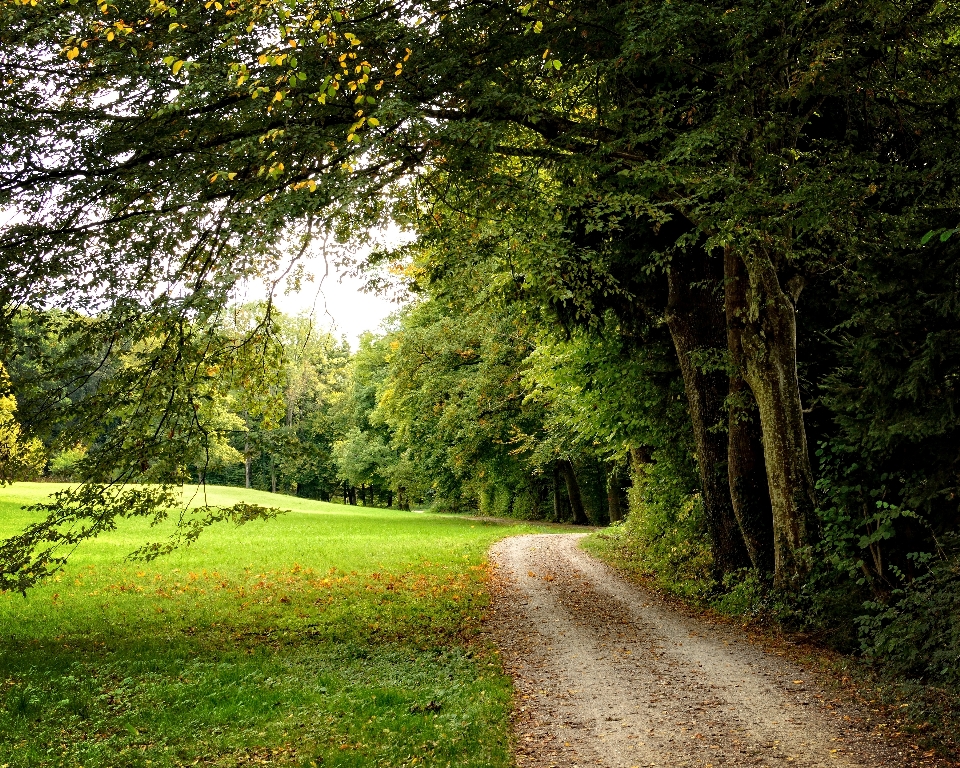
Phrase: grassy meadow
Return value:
(330, 636)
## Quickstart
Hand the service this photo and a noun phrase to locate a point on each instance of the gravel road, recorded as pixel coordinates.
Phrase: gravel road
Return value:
(607, 674)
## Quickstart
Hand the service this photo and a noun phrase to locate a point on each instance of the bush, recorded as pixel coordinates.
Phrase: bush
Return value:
(916, 633)
(664, 536)
(65, 464)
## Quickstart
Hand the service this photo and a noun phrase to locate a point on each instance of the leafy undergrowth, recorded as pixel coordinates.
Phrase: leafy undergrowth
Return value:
(672, 554)
(342, 637)
(925, 717)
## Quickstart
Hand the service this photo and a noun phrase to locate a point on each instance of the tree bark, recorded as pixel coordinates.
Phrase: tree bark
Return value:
(615, 504)
(352, 492)
(697, 326)
(746, 470)
(246, 456)
(573, 492)
(639, 457)
(747, 475)
(766, 321)
(557, 504)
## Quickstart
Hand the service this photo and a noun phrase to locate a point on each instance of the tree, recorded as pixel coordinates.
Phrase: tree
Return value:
(20, 457)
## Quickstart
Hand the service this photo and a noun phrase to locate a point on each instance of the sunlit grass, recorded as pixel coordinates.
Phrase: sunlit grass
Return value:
(335, 636)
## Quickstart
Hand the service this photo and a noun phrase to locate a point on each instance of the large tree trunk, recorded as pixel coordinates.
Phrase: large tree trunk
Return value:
(764, 317)
(573, 492)
(746, 470)
(697, 326)
(747, 475)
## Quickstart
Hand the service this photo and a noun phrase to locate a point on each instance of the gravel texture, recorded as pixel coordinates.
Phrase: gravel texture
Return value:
(608, 674)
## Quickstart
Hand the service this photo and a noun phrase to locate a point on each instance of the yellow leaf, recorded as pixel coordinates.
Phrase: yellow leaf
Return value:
(351, 137)
(177, 65)
(373, 122)
(73, 53)
(110, 36)
(278, 96)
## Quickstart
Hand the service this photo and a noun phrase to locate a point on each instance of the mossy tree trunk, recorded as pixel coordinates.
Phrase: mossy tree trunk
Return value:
(746, 471)
(764, 317)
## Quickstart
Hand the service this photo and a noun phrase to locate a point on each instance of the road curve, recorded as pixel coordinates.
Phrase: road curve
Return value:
(609, 675)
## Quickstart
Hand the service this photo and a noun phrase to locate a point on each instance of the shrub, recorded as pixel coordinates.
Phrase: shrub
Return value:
(664, 536)
(65, 464)
(916, 632)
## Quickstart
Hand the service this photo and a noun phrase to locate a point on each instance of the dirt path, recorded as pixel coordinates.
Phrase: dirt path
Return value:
(608, 675)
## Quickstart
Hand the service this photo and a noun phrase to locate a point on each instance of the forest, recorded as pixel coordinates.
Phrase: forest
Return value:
(690, 270)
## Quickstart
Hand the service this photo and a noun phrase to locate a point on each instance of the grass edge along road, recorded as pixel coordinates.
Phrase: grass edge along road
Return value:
(331, 636)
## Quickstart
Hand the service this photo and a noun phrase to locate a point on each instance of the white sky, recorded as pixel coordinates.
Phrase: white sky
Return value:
(337, 301)
(339, 306)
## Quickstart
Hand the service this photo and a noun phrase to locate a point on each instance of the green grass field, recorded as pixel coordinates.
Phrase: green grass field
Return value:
(330, 636)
